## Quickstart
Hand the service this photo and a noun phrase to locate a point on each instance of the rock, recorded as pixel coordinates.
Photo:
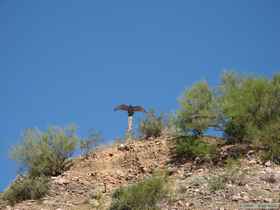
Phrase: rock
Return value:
(123, 147)
(268, 170)
(188, 204)
(268, 164)
(252, 162)
(95, 193)
(200, 170)
(180, 203)
(197, 160)
(268, 200)
(246, 198)
(129, 177)
(94, 203)
(188, 174)
(61, 181)
(171, 171)
(143, 169)
(236, 197)
(249, 154)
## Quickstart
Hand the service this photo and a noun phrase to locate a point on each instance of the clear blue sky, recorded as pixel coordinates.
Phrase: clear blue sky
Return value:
(72, 61)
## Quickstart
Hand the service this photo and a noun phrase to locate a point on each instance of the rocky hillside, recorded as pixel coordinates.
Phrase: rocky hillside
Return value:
(91, 180)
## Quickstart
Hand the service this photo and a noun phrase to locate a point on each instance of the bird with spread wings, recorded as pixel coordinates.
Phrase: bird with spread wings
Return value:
(130, 110)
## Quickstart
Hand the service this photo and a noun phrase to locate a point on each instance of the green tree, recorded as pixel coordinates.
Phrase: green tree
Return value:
(197, 109)
(248, 104)
(46, 153)
(244, 107)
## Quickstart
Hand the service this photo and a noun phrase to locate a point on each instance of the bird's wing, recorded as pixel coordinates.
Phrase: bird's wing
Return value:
(123, 107)
(138, 109)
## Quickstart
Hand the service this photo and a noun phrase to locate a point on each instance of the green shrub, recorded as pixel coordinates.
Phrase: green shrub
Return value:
(142, 196)
(190, 147)
(269, 139)
(25, 188)
(216, 183)
(197, 109)
(45, 153)
(245, 108)
(90, 143)
(232, 163)
(151, 125)
(234, 132)
(249, 104)
(252, 107)
(232, 174)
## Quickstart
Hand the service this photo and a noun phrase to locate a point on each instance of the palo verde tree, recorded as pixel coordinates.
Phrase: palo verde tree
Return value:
(249, 104)
(197, 109)
(245, 108)
(45, 153)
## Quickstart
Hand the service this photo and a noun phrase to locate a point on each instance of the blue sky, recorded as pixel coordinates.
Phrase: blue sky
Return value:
(72, 61)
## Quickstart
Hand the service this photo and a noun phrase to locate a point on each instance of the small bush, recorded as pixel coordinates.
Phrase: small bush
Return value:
(233, 173)
(25, 188)
(142, 196)
(45, 153)
(232, 163)
(88, 144)
(190, 147)
(151, 125)
(269, 139)
(216, 183)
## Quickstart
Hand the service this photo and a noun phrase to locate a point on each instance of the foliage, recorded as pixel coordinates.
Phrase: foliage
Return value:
(234, 132)
(197, 109)
(88, 144)
(190, 147)
(142, 196)
(269, 138)
(252, 107)
(232, 163)
(152, 125)
(249, 104)
(216, 183)
(232, 174)
(245, 108)
(25, 188)
(45, 153)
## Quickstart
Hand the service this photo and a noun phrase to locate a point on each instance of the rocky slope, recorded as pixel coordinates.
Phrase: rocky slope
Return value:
(91, 180)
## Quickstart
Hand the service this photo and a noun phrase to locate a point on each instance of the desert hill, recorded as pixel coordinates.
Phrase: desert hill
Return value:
(91, 180)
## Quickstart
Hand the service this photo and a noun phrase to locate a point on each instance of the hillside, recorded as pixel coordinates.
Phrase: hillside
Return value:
(91, 180)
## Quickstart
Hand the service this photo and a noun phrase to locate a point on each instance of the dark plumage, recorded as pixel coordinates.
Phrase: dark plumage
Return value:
(129, 109)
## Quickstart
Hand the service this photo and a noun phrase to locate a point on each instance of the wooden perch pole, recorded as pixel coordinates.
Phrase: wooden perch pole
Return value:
(130, 111)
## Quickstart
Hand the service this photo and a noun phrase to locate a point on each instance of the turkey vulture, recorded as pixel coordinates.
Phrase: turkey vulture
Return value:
(129, 109)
